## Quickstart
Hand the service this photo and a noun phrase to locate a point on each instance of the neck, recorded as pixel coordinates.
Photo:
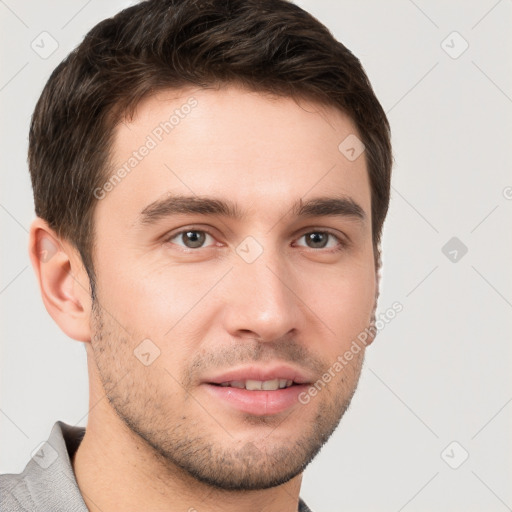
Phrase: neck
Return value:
(117, 470)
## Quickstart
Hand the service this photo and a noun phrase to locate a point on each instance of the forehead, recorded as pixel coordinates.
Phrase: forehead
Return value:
(258, 151)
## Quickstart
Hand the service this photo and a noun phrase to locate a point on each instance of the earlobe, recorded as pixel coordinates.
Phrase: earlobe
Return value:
(63, 281)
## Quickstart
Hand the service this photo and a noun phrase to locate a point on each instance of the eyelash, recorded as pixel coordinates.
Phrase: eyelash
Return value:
(342, 244)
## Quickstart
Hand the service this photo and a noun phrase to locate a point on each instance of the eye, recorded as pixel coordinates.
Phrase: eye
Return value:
(190, 238)
(320, 240)
(197, 239)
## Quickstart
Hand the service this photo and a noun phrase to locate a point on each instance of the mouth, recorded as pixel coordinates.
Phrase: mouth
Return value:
(258, 385)
(258, 391)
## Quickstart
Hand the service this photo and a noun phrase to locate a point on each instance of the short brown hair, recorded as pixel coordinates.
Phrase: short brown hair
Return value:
(266, 45)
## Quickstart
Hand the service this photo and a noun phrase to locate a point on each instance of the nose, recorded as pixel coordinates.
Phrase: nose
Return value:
(262, 301)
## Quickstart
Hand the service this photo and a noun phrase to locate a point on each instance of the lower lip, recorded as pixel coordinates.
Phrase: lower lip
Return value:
(259, 403)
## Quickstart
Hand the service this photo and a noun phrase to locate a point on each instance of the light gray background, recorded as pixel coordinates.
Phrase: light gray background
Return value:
(440, 371)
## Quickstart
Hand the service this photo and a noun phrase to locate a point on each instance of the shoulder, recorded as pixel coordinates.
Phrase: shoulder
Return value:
(13, 492)
(303, 507)
(47, 482)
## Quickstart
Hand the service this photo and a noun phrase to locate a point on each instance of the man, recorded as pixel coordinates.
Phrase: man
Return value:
(210, 180)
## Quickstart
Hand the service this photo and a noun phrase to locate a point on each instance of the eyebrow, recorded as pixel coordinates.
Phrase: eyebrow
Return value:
(340, 206)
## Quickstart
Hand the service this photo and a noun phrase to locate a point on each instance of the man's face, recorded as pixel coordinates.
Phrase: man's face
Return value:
(196, 305)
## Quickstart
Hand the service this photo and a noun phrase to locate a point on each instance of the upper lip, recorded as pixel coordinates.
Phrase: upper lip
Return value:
(261, 373)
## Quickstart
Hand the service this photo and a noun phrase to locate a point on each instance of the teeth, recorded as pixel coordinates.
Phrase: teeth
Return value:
(253, 385)
(270, 385)
(258, 385)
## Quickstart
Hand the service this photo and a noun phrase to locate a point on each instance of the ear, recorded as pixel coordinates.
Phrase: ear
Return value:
(372, 329)
(63, 281)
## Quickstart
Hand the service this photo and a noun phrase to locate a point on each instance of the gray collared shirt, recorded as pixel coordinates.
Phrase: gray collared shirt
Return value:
(48, 482)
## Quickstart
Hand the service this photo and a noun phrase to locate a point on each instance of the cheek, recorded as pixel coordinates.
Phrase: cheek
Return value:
(153, 299)
(164, 300)
(344, 303)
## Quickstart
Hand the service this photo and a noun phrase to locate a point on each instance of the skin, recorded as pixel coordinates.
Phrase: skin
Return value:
(156, 438)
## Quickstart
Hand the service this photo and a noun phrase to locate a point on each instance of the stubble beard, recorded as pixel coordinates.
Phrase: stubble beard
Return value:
(182, 444)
